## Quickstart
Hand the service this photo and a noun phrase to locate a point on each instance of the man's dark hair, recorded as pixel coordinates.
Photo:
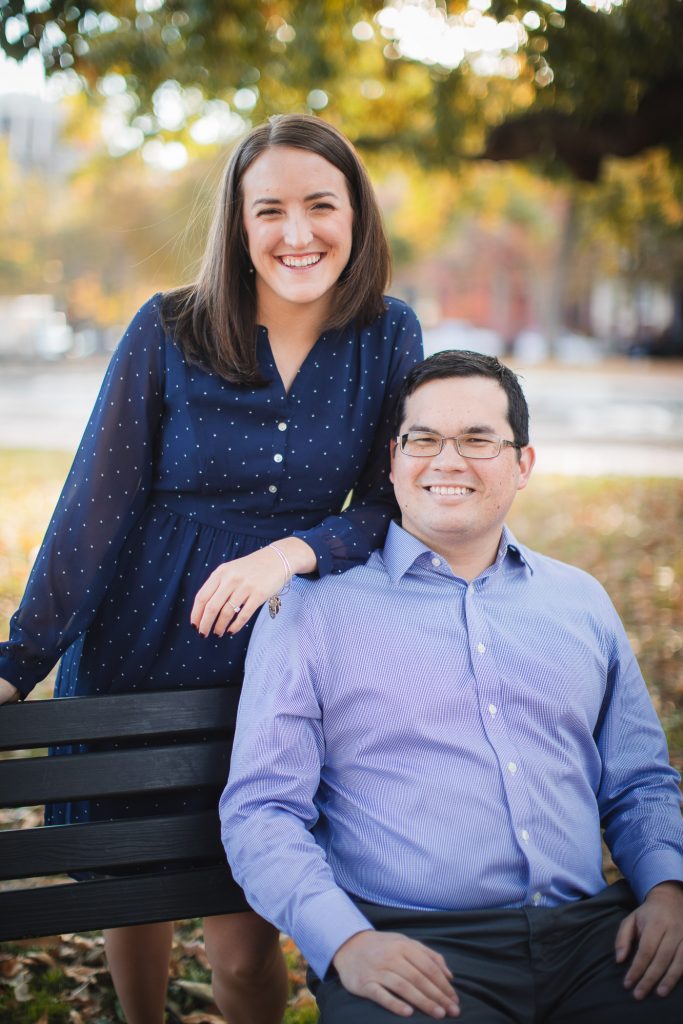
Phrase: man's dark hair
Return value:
(461, 363)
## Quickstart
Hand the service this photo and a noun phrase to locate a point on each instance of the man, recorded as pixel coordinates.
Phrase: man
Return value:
(428, 747)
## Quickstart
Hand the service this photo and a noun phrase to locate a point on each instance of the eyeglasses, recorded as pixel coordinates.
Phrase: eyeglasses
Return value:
(423, 445)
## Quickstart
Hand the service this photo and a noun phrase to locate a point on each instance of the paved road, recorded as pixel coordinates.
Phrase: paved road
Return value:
(623, 417)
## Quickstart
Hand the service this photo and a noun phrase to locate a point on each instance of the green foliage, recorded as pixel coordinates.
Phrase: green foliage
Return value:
(613, 77)
(306, 1014)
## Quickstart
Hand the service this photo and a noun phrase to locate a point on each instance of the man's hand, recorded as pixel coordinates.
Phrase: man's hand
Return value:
(657, 928)
(8, 693)
(398, 973)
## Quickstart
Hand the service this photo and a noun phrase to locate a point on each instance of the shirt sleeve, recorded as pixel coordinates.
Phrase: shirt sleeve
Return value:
(639, 795)
(103, 496)
(268, 806)
(344, 540)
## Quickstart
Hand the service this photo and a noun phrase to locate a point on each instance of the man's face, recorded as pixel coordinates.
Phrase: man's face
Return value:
(448, 501)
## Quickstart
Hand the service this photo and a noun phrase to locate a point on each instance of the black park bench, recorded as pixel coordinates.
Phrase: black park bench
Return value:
(192, 731)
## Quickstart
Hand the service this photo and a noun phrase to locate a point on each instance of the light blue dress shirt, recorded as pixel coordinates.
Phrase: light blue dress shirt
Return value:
(426, 743)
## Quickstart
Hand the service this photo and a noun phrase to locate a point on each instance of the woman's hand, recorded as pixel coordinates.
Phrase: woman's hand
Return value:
(8, 693)
(235, 590)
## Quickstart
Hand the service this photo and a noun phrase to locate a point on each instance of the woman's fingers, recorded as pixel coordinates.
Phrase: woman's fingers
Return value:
(235, 591)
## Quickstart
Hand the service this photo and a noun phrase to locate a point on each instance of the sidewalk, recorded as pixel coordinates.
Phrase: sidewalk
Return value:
(622, 417)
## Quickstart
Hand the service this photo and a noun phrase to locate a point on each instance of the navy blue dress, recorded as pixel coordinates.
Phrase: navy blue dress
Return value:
(180, 470)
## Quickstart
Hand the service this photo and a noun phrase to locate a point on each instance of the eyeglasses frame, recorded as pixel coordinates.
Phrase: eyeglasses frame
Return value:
(502, 443)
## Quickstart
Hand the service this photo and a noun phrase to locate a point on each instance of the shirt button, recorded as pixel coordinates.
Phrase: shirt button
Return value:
(525, 835)
(272, 488)
(537, 898)
(278, 457)
(282, 426)
(481, 648)
(512, 767)
(436, 562)
(492, 710)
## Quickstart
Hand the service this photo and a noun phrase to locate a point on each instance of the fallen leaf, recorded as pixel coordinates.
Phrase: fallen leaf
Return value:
(202, 1018)
(22, 992)
(77, 972)
(196, 989)
(10, 966)
(41, 957)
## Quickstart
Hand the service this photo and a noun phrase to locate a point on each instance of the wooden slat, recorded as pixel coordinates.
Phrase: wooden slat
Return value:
(115, 902)
(79, 719)
(37, 780)
(62, 849)
(125, 899)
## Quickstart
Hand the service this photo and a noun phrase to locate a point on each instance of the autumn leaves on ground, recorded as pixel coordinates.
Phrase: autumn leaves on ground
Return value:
(625, 532)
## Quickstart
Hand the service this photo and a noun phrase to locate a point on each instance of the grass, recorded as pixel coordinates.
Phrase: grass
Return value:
(626, 532)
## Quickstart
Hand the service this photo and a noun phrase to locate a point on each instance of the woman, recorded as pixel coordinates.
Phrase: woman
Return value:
(235, 418)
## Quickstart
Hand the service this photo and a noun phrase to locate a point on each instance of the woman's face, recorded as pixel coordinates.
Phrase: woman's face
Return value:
(298, 222)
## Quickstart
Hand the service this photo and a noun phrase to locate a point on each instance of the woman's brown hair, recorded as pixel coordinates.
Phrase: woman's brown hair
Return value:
(214, 320)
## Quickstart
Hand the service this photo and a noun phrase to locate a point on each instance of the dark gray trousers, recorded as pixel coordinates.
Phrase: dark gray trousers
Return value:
(534, 965)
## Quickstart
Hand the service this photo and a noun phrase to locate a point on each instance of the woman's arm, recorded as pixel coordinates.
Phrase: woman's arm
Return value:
(104, 494)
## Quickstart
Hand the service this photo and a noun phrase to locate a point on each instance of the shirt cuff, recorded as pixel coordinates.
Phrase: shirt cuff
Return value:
(655, 867)
(318, 538)
(324, 924)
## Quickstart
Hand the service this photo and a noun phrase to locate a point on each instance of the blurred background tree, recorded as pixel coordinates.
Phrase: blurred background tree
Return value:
(586, 92)
(593, 79)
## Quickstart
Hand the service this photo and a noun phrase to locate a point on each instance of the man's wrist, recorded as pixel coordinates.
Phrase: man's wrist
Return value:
(664, 889)
(344, 947)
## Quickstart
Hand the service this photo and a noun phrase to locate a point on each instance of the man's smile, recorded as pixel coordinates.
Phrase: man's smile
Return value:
(449, 489)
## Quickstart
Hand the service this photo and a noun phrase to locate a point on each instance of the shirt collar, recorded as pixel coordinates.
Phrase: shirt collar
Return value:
(401, 551)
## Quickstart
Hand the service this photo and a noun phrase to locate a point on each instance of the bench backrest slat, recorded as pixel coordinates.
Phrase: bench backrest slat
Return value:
(79, 719)
(35, 780)
(114, 902)
(176, 863)
(34, 852)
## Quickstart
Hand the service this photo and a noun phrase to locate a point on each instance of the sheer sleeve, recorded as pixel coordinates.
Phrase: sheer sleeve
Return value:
(344, 540)
(104, 494)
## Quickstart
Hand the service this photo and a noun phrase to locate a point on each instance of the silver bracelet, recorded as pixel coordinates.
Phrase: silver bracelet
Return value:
(274, 604)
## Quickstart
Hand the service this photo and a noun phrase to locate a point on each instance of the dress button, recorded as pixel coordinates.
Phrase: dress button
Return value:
(278, 457)
(492, 710)
(272, 488)
(480, 648)
(512, 767)
(282, 426)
